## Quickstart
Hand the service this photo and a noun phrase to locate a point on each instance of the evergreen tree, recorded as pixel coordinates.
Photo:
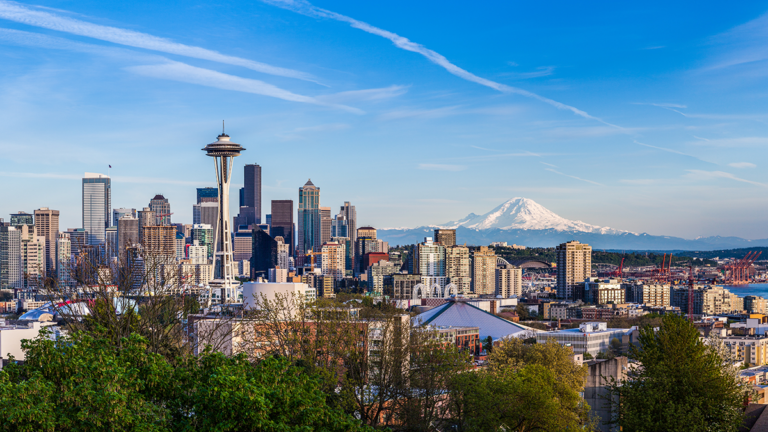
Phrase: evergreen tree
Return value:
(680, 383)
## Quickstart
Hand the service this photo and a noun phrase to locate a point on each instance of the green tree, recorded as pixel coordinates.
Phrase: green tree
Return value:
(522, 312)
(681, 383)
(86, 383)
(526, 387)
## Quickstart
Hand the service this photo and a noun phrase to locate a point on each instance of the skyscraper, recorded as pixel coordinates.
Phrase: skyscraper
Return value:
(264, 255)
(366, 243)
(97, 206)
(64, 260)
(574, 265)
(484, 271)
(251, 195)
(309, 219)
(457, 268)
(120, 212)
(162, 208)
(282, 223)
(10, 257)
(350, 215)
(325, 225)
(509, 280)
(333, 260)
(127, 233)
(47, 226)
(22, 218)
(206, 213)
(160, 241)
(207, 194)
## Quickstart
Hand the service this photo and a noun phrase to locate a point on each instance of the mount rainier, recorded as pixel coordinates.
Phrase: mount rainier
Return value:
(525, 222)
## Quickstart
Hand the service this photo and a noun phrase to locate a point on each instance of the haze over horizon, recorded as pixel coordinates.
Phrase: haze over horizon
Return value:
(646, 118)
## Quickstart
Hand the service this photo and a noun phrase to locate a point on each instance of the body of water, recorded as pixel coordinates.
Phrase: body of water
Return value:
(749, 289)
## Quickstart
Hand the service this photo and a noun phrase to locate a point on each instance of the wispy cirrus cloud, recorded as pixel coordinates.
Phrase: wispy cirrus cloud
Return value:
(183, 72)
(540, 71)
(734, 142)
(742, 165)
(165, 68)
(305, 8)
(441, 167)
(17, 12)
(662, 105)
(710, 175)
(574, 177)
(421, 113)
(375, 94)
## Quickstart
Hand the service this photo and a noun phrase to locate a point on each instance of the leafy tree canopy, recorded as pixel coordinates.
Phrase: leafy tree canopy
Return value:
(86, 383)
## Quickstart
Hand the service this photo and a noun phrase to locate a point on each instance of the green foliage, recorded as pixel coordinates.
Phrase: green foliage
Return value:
(85, 383)
(526, 387)
(522, 312)
(588, 356)
(601, 257)
(682, 385)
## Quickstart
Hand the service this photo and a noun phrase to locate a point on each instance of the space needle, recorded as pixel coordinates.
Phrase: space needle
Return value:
(223, 152)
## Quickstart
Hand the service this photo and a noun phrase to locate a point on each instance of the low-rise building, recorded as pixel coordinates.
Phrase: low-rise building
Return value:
(591, 337)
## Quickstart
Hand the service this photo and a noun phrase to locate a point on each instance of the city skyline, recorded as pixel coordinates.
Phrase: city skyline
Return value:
(652, 125)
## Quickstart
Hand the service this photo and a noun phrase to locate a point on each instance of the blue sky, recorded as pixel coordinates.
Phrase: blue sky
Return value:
(646, 117)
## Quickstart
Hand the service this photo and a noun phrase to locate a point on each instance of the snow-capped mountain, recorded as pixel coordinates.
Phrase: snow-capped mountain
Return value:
(525, 222)
(526, 214)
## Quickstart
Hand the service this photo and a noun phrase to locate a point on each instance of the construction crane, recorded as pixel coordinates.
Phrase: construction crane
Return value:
(620, 270)
(737, 273)
(312, 254)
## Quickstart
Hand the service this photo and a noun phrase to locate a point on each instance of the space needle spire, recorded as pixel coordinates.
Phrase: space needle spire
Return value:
(223, 152)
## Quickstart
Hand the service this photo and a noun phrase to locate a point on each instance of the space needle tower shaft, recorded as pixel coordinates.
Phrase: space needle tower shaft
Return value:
(223, 152)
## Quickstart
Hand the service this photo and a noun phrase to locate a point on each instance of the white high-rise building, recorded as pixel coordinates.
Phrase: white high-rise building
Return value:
(64, 260)
(509, 280)
(333, 260)
(283, 253)
(198, 254)
(10, 257)
(97, 206)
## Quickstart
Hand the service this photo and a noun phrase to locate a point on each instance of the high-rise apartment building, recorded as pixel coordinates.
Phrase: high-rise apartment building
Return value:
(349, 257)
(403, 285)
(574, 265)
(127, 233)
(458, 268)
(430, 258)
(33, 257)
(325, 225)
(10, 257)
(47, 226)
(120, 212)
(484, 271)
(282, 222)
(162, 208)
(446, 237)
(64, 261)
(509, 281)
(333, 260)
(755, 304)
(309, 219)
(97, 206)
(111, 245)
(207, 194)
